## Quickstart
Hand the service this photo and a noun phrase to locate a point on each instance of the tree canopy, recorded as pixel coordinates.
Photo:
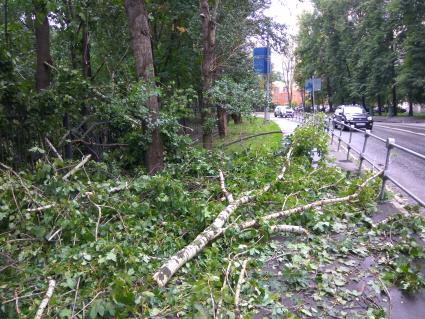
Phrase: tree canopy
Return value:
(365, 51)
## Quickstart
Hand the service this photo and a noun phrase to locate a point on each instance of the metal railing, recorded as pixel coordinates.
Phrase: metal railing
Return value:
(389, 144)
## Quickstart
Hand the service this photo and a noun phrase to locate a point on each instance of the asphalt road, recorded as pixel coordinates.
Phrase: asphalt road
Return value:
(407, 169)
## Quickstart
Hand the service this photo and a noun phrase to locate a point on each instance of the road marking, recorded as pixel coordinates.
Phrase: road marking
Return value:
(399, 129)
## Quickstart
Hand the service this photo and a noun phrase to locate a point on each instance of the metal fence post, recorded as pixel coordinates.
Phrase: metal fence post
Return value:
(389, 146)
(361, 156)
(340, 134)
(349, 142)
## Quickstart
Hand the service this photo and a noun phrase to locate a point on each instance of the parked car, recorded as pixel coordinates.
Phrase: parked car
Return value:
(288, 111)
(353, 115)
(278, 111)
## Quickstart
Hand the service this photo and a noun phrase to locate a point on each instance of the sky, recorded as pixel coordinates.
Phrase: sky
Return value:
(287, 12)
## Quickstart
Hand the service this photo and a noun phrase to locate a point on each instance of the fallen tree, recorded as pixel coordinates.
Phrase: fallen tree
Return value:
(170, 267)
(216, 229)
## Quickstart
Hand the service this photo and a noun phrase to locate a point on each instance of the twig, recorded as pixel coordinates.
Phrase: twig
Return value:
(99, 209)
(76, 168)
(46, 299)
(53, 149)
(39, 209)
(75, 297)
(228, 195)
(389, 297)
(238, 288)
(15, 294)
(88, 304)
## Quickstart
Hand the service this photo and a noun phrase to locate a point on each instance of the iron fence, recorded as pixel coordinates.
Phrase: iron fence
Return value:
(389, 143)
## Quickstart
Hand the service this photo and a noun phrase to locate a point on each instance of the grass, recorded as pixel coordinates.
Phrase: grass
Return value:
(250, 126)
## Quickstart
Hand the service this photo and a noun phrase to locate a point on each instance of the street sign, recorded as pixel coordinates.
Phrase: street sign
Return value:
(262, 60)
(313, 84)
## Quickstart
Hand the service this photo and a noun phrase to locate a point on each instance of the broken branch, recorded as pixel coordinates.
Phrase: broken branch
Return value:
(174, 263)
(55, 151)
(46, 299)
(76, 168)
(228, 195)
(322, 202)
(238, 288)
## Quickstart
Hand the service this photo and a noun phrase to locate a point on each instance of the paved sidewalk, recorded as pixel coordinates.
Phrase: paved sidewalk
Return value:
(398, 119)
(403, 306)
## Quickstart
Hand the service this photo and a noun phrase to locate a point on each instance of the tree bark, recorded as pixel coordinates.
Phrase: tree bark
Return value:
(379, 105)
(216, 229)
(208, 59)
(237, 118)
(87, 70)
(410, 107)
(142, 50)
(394, 104)
(42, 36)
(222, 121)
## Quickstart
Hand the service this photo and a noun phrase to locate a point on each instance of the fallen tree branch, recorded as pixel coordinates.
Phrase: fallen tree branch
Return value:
(76, 168)
(46, 299)
(252, 136)
(174, 263)
(55, 151)
(238, 288)
(228, 195)
(39, 209)
(322, 202)
(288, 229)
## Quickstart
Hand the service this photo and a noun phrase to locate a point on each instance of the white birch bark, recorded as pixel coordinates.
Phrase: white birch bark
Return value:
(170, 267)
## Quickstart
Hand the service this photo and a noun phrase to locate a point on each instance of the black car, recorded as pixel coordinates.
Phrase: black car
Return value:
(353, 115)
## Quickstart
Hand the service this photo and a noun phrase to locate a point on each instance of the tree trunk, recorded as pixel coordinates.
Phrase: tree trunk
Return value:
(329, 90)
(393, 111)
(42, 36)
(208, 57)
(237, 118)
(222, 121)
(410, 107)
(142, 50)
(87, 71)
(379, 105)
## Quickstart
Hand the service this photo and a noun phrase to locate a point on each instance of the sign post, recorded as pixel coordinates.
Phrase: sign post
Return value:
(312, 85)
(262, 66)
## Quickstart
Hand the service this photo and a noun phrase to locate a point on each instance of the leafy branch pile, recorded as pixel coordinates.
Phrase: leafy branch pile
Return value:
(101, 235)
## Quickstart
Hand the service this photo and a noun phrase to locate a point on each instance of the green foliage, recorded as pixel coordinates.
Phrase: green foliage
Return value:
(362, 49)
(310, 137)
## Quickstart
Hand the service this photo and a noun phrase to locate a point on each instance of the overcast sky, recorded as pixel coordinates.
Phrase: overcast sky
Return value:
(287, 12)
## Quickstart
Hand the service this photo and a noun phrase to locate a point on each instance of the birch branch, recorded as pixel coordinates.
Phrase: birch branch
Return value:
(53, 149)
(46, 299)
(39, 209)
(228, 195)
(76, 168)
(288, 229)
(174, 263)
(241, 280)
(322, 202)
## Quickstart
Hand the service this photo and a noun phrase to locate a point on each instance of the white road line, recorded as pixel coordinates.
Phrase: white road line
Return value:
(399, 129)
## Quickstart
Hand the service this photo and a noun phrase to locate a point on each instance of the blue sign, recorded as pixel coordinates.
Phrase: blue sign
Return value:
(313, 84)
(262, 60)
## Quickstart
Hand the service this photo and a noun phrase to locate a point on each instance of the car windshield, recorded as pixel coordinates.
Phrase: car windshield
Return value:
(353, 110)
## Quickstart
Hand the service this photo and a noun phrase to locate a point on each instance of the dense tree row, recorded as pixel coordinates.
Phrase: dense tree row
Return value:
(97, 75)
(366, 51)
